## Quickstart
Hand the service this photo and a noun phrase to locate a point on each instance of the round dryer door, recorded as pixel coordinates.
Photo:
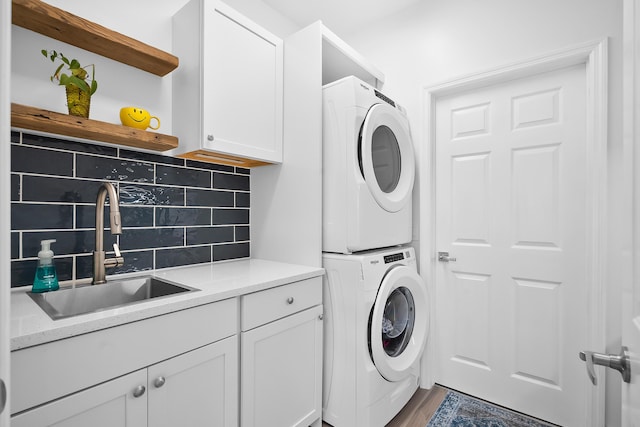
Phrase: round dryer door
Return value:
(387, 161)
(399, 323)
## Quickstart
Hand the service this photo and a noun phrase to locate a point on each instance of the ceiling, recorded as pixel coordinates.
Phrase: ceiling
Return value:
(340, 16)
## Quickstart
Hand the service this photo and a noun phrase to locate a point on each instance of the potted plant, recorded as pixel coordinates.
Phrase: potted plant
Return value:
(76, 82)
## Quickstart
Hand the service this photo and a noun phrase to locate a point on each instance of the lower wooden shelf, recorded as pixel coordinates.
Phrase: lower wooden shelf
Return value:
(32, 118)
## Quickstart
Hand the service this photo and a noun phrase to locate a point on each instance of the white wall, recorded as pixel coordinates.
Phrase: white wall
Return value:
(438, 40)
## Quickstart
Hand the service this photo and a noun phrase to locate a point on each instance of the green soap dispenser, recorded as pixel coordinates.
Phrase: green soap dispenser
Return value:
(46, 278)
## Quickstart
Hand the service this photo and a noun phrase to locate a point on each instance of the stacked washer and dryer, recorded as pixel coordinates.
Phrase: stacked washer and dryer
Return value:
(375, 304)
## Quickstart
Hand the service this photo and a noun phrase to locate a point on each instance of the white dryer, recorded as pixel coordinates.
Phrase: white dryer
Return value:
(368, 169)
(376, 313)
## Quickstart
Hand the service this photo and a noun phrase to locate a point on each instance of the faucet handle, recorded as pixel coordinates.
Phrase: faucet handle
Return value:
(116, 261)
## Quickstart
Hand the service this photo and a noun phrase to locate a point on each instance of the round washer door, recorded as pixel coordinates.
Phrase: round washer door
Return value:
(399, 323)
(386, 157)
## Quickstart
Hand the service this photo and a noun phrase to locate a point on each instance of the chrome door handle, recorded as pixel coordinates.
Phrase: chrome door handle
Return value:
(3, 396)
(444, 257)
(619, 362)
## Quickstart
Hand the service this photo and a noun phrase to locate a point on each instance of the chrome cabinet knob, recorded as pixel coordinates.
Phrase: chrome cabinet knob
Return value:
(3, 396)
(209, 137)
(139, 391)
(159, 382)
(290, 300)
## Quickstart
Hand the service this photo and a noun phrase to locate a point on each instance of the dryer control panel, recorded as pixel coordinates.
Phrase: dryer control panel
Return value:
(384, 98)
(399, 256)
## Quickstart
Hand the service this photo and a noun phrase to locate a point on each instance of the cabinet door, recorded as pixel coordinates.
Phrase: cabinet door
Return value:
(242, 86)
(282, 371)
(111, 404)
(198, 388)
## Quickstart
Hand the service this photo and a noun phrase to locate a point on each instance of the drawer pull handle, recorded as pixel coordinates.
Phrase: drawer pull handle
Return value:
(159, 382)
(290, 300)
(139, 391)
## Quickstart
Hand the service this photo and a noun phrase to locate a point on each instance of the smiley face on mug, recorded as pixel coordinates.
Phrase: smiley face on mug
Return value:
(137, 118)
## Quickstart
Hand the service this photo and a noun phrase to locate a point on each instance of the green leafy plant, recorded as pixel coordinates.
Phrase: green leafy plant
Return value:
(77, 74)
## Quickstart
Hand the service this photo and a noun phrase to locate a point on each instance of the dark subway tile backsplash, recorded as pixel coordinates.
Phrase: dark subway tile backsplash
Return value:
(197, 197)
(231, 251)
(63, 190)
(138, 194)
(231, 182)
(174, 212)
(37, 160)
(183, 256)
(183, 216)
(202, 235)
(230, 216)
(34, 216)
(170, 175)
(15, 187)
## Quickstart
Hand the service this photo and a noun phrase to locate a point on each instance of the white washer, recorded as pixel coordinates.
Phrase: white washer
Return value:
(368, 169)
(376, 315)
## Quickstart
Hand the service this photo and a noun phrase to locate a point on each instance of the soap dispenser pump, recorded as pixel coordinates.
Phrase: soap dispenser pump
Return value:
(46, 278)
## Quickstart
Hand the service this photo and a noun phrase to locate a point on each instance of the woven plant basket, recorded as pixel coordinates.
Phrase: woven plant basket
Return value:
(78, 101)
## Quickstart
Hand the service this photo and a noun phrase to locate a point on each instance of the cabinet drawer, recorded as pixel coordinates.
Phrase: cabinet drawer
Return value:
(266, 306)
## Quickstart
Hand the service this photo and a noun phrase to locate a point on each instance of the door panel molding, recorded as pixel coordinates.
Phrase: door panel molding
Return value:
(594, 56)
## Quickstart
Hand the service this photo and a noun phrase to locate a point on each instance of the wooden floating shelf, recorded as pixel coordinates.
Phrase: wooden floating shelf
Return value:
(222, 159)
(31, 118)
(51, 21)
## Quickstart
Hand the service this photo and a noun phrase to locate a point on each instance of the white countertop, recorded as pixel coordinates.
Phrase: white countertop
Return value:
(30, 325)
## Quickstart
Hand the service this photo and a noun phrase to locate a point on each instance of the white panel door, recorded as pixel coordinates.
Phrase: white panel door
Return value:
(242, 85)
(631, 289)
(281, 365)
(510, 202)
(198, 388)
(110, 404)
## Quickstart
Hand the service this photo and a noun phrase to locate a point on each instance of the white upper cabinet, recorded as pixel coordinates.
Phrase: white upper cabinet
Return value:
(228, 88)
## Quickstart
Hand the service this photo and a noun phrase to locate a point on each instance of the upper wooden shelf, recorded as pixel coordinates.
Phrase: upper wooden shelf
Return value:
(31, 118)
(53, 22)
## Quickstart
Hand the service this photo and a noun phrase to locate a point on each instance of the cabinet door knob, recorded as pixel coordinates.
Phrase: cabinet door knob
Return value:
(320, 316)
(139, 391)
(3, 395)
(290, 300)
(159, 382)
(209, 137)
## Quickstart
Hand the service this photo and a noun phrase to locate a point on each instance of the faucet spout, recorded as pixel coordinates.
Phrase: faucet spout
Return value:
(100, 263)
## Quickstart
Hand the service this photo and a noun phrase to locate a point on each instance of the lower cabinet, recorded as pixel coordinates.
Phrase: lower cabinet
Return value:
(281, 360)
(197, 388)
(169, 370)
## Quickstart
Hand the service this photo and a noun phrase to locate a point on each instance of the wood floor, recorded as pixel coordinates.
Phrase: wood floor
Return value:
(419, 410)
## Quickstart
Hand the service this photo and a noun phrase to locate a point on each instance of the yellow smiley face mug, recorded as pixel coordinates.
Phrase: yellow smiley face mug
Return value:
(137, 118)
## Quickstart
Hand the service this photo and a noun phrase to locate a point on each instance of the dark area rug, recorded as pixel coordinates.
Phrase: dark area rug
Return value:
(460, 410)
